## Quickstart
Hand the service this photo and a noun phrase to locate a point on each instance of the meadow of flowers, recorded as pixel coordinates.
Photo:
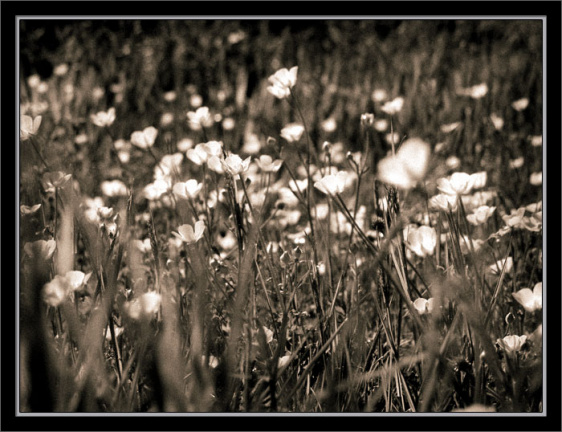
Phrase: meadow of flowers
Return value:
(235, 216)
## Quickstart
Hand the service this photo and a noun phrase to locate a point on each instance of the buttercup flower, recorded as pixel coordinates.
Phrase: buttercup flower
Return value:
(53, 180)
(475, 92)
(292, 132)
(104, 118)
(498, 267)
(29, 126)
(234, 165)
(497, 121)
(520, 104)
(443, 202)
(480, 215)
(424, 306)
(479, 179)
(188, 234)
(530, 300)
(512, 344)
(332, 184)
(422, 240)
(267, 164)
(56, 291)
(536, 178)
(77, 279)
(200, 118)
(114, 188)
(394, 106)
(145, 138)
(282, 82)
(188, 189)
(407, 167)
(43, 249)
(457, 184)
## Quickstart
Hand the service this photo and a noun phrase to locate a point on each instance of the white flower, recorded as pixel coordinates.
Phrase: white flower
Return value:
(332, 184)
(457, 184)
(282, 82)
(480, 215)
(104, 118)
(407, 167)
(422, 240)
(56, 291)
(520, 104)
(156, 189)
(145, 138)
(185, 144)
(443, 202)
(188, 189)
(475, 92)
(530, 300)
(394, 106)
(536, 140)
(329, 125)
(150, 302)
(498, 267)
(283, 361)
(77, 279)
(379, 95)
(512, 344)
(497, 121)
(200, 118)
(381, 125)
(234, 165)
(424, 306)
(29, 126)
(27, 210)
(453, 162)
(114, 188)
(54, 180)
(170, 163)
(536, 178)
(517, 163)
(188, 234)
(43, 249)
(479, 179)
(450, 127)
(267, 164)
(292, 132)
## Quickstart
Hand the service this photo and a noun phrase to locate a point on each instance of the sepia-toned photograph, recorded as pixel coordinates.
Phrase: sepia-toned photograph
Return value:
(281, 216)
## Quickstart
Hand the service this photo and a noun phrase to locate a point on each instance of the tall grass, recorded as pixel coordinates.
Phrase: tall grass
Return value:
(294, 289)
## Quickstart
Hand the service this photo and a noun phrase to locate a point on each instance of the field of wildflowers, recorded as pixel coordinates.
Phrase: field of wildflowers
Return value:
(243, 216)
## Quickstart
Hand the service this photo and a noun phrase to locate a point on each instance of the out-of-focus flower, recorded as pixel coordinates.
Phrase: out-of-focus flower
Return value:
(453, 162)
(332, 184)
(26, 210)
(282, 82)
(143, 246)
(228, 124)
(61, 69)
(394, 106)
(381, 125)
(283, 361)
(443, 202)
(170, 96)
(407, 167)
(200, 118)
(166, 119)
(536, 140)
(497, 121)
(196, 100)
(190, 234)
(104, 118)
(292, 132)
(187, 190)
(530, 300)
(40, 249)
(33, 81)
(29, 126)
(267, 164)
(424, 306)
(468, 244)
(43, 88)
(517, 163)
(367, 119)
(520, 104)
(55, 292)
(145, 138)
(114, 188)
(480, 215)
(450, 127)
(515, 218)
(475, 92)
(422, 240)
(235, 165)
(329, 125)
(499, 266)
(54, 180)
(169, 164)
(156, 189)
(512, 344)
(77, 279)
(252, 144)
(185, 144)
(536, 178)
(146, 305)
(379, 95)
(458, 183)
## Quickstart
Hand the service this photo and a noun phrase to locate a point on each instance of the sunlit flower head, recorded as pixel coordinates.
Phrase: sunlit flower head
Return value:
(497, 121)
(187, 190)
(145, 138)
(114, 188)
(235, 165)
(282, 82)
(156, 189)
(185, 144)
(55, 292)
(292, 132)
(332, 184)
(407, 167)
(517, 163)
(29, 126)
(146, 305)
(424, 306)
(453, 162)
(512, 344)
(200, 118)
(458, 183)
(530, 300)
(103, 118)
(54, 180)
(329, 125)
(477, 91)
(190, 234)
(381, 125)
(536, 178)
(479, 179)
(77, 279)
(520, 104)
(40, 249)
(515, 218)
(536, 140)
(267, 164)
(443, 202)
(480, 215)
(169, 164)
(422, 240)
(499, 266)
(394, 106)
(143, 246)
(379, 95)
